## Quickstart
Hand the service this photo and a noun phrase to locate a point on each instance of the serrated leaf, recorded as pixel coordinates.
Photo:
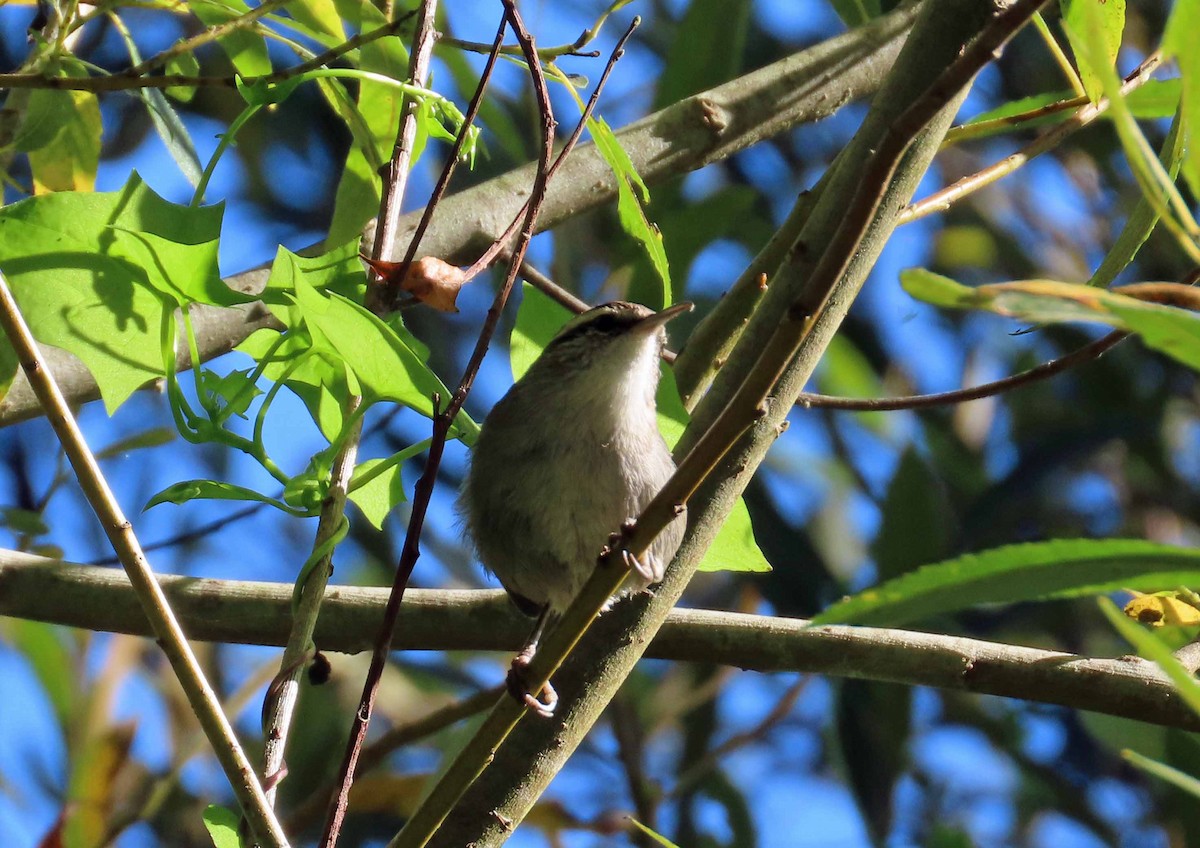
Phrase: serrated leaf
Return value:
(632, 193)
(1168, 329)
(222, 826)
(386, 366)
(1035, 571)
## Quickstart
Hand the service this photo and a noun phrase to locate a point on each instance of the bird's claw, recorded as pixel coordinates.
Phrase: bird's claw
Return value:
(649, 566)
(518, 687)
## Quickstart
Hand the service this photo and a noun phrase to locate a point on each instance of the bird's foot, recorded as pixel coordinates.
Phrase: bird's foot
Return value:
(648, 566)
(517, 682)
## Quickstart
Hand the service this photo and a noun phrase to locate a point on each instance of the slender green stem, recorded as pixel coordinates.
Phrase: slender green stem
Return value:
(227, 139)
(1060, 58)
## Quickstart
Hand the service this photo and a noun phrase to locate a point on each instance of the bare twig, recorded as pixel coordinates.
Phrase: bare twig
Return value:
(498, 246)
(279, 705)
(387, 297)
(745, 407)
(396, 173)
(385, 236)
(308, 811)
(421, 820)
(941, 200)
(202, 699)
(1044, 371)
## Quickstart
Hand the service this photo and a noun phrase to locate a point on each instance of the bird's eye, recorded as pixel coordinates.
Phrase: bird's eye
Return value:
(606, 324)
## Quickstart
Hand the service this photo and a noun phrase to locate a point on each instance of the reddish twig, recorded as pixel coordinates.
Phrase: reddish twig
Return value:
(489, 256)
(442, 422)
(393, 281)
(1093, 350)
(385, 236)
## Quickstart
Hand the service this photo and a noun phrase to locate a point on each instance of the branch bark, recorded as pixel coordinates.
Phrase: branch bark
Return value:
(258, 613)
(710, 126)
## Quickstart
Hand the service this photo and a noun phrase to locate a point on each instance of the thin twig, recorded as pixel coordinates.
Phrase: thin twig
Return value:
(745, 407)
(308, 811)
(201, 697)
(421, 821)
(209, 35)
(391, 286)
(385, 236)
(279, 706)
(498, 246)
(192, 535)
(1088, 352)
(124, 80)
(396, 173)
(941, 200)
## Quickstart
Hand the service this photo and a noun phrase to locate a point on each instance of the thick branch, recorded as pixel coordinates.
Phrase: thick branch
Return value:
(705, 128)
(245, 612)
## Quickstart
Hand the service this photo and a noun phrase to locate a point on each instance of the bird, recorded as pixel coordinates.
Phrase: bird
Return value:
(567, 457)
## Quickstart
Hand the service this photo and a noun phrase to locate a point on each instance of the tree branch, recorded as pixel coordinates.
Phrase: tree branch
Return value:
(802, 88)
(250, 612)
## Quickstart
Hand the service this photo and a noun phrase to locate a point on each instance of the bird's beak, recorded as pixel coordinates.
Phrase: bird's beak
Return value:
(653, 322)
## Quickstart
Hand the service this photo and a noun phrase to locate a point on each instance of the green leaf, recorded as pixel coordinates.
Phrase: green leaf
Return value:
(1168, 329)
(855, 12)
(916, 519)
(846, 371)
(385, 365)
(338, 270)
(734, 548)
(706, 51)
(320, 16)
(222, 826)
(1149, 646)
(1179, 41)
(87, 270)
(27, 522)
(653, 834)
(1036, 571)
(153, 438)
(48, 653)
(1093, 43)
(68, 159)
(191, 490)
(538, 320)
(631, 195)
(1170, 774)
(182, 64)
(246, 48)
(234, 391)
(377, 487)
